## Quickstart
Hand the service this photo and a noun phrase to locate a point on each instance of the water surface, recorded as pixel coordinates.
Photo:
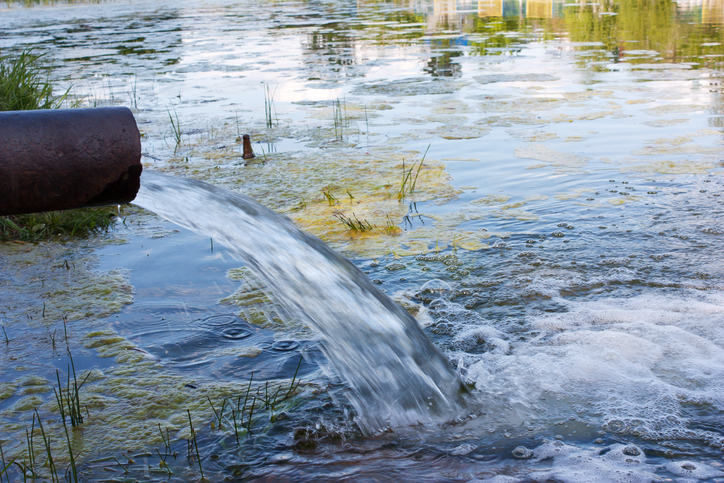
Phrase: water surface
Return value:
(562, 246)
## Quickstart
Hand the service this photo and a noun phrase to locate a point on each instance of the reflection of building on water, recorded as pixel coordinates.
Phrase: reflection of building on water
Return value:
(445, 7)
(712, 11)
(491, 8)
(521, 8)
(442, 66)
(706, 11)
(539, 9)
(452, 12)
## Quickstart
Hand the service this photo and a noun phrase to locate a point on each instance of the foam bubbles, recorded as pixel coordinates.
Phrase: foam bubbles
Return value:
(639, 366)
(690, 469)
(571, 464)
(436, 287)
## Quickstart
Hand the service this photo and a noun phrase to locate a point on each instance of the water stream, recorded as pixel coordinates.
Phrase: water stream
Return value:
(395, 374)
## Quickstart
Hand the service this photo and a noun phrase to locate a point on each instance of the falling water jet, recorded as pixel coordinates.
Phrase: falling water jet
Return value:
(395, 375)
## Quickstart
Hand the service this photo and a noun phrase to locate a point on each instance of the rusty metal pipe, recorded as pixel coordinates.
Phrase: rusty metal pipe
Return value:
(58, 159)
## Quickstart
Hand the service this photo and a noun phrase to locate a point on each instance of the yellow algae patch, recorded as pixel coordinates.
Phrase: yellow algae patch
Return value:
(511, 206)
(617, 201)
(532, 136)
(573, 194)
(509, 214)
(460, 132)
(590, 116)
(666, 122)
(536, 198)
(450, 120)
(706, 132)
(453, 106)
(556, 158)
(345, 111)
(493, 199)
(585, 95)
(523, 104)
(671, 167)
(675, 109)
(675, 141)
(676, 149)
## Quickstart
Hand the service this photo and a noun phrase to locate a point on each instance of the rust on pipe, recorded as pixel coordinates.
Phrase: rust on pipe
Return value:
(58, 159)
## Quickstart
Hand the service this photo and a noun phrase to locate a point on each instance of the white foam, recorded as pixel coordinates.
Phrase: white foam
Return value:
(497, 479)
(615, 464)
(690, 469)
(629, 365)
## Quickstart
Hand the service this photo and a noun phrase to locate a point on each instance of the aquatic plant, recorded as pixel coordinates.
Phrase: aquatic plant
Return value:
(196, 444)
(270, 112)
(42, 226)
(25, 83)
(339, 112)
(71, 400)
(175, 129)
(331, 199)
(408, 182)
(354, 224)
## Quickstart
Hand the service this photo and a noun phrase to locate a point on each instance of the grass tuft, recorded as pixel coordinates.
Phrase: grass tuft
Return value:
(176, 129)
(270, 112)
(408, 182)
(43, 226)
(354, 224)
(25, 83)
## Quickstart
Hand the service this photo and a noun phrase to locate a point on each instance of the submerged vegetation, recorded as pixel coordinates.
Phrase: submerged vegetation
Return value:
(25, 85)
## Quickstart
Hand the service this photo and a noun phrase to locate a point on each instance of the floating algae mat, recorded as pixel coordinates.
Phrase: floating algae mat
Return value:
(561, 244)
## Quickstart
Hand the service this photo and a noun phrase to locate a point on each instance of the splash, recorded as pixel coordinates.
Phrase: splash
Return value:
(395, 375)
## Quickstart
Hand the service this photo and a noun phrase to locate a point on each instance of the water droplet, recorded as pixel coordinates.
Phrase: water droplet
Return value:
(285, 345)
(220, 320)
(236, 333)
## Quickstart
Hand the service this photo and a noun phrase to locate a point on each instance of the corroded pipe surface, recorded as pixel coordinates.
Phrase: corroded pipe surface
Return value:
(58, 159)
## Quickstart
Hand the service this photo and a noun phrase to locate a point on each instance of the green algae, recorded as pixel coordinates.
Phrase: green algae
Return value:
(7, 389)
(64, 283)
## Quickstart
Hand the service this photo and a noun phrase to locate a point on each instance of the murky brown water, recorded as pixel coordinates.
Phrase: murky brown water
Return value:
(566, 219)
